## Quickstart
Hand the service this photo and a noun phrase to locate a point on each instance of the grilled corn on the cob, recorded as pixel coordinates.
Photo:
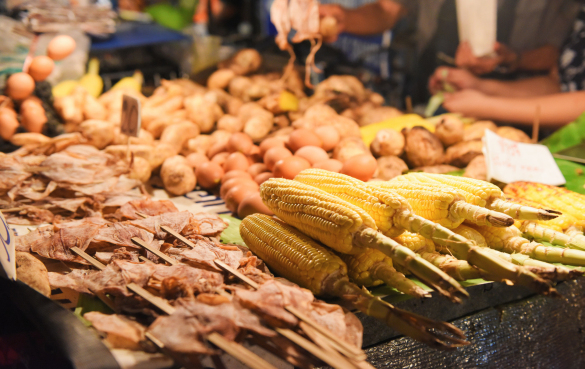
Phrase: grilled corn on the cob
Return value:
(443, 204)
(532, 230)
(347, 229)
(297, 257)
(560, 223)
(393, 215)
(481, 193)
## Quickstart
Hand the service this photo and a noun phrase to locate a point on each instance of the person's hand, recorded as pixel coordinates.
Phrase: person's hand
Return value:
(464, 58)
(460, 79)
(336, 11)
(466, 102)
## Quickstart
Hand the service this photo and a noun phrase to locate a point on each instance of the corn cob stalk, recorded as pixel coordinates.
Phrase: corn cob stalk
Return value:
(372, 268)
(531, 230)
(347, 229)
(543, 269)
(458, 269)
(560, 223)
(509, 240)
(443, 204)
(393, 215)
(482, 193)
(297, 257)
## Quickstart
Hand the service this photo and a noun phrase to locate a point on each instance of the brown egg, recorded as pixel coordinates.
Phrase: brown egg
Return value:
(361, 167)
(288, 168)
(270, 143)
(236, 195)
(253, 204)
(239, 142)
(220, 158)
(60, 47)
(195, 159)
(236, 174)
(262, 177)
(256, 169)
(8, 124)
(236, 161)
(41, 67)
(254, 155)
(312, 154)
(209, 175)
(329, 137)
(216, 148)
(303, 137)
(239, 181)
(331, 165)
(20, 86)
(33, 117)
(275, 154)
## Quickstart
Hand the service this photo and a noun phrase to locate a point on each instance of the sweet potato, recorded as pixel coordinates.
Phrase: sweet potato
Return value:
(177, 176)
(422, 147)
(99, 133)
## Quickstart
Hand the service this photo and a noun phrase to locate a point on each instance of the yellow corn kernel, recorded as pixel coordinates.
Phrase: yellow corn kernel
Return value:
(415, 242)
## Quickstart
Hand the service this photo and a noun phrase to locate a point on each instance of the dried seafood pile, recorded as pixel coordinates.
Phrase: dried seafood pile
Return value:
(202, 301)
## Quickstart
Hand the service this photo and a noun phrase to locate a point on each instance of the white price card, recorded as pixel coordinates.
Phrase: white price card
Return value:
(477, 24)
(7, 251)
(130, 116)
(510, 161)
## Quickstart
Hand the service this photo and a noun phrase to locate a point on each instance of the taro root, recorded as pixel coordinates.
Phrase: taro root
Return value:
(477, 130)
(513, 134)
(450, 130)
(390, 167)
(387, 142)
(477, 168)
(462, 153)
(422, 148)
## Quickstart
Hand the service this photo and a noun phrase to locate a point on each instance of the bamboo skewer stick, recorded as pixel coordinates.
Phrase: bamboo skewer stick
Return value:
(88, 258)
(342, 346)
(166, 258)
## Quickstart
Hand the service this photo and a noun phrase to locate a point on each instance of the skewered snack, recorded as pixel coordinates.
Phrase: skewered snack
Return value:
(347, 228)
(299, 258)
(482, 193)
(398, 217)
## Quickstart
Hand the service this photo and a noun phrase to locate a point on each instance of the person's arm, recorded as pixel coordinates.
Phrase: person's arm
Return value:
(544, 58)
(462, 79)
(369, 19)
(555, 110)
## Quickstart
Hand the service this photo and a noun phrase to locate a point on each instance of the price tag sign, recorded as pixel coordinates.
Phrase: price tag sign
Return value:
(7, 249)
(510, 161)
(130, 116)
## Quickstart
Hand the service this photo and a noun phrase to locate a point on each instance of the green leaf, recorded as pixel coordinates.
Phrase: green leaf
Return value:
(570, 135)
(574, 175)
(87, 303)
(232, 232)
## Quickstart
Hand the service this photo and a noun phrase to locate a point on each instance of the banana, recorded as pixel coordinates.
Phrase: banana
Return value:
(91, 81)
(64, 88)
(134, 82)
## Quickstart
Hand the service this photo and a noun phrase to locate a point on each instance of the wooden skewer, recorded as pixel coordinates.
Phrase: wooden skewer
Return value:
(238, 351)
(143, 258)
(408, 101)
(141, 243)
(88, 258)
(12, 210)
(342, 346)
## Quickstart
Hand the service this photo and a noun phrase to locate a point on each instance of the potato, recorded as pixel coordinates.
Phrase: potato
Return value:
(93, 109)
(177, 176)
(245, 61)
(32, 272)
(33, 139)
(450, 130)
(477, 168)
(323, 115)
(513, 134)
(422, 148)
(144, 138)
(99, 133)
(239, 87)
(349, 147)
(160, 153)
(220, 78)
(379, 114)
(387, 142)
(230, 123)
(178, 134)
(462, 153)
(477, 130)
(258, 127)
(390, 167)
(121, 151)
(199, 144)
(140, 169)
(202, 112)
